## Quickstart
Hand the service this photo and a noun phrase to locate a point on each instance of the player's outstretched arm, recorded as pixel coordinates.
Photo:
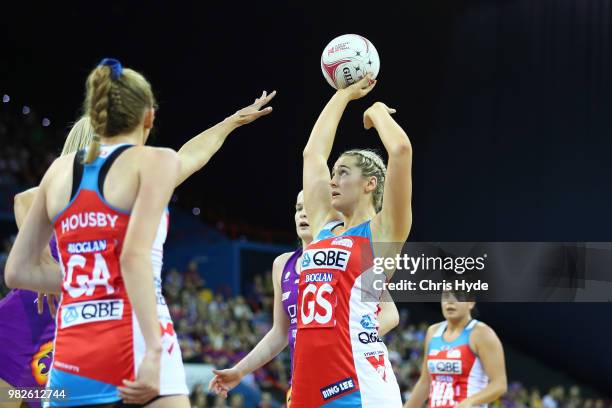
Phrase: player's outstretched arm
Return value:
(268, 347)
(316, 176)
(394, 221)
(194, 154)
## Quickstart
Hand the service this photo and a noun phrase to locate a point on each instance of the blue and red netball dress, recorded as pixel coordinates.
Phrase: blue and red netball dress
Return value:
(98, 342)
(339, 360)
(456, 371)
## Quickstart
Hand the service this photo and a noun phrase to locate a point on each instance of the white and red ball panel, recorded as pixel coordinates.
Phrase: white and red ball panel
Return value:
(347, 59)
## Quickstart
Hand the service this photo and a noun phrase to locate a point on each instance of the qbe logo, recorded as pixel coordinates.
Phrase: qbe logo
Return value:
(369, 337)
(89, 312)
(326, 258)
(451, 367)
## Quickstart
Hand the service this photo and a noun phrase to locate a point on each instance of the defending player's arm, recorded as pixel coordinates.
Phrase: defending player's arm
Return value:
(420, 392)
(388, 317)
(194, 154)
(22, 203)
(158, 169)
(267, 348)
(394, 221)
(23, 270)
(489, 349)
(316, 179)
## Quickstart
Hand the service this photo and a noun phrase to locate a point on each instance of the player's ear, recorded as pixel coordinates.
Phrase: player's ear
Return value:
(149, 118)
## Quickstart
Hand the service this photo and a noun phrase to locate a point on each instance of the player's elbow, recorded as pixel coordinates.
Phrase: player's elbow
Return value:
(311, 154)
(131, 260)
(402, 149)
(9, 280)
(307, 153)
(394, 320)
(11, 277)
(18, 199)
(501, 387)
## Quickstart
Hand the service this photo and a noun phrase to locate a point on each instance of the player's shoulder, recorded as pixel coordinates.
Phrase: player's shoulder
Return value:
(281, 260)
(59, 166)
(279, 264)
(482, 330)
(432, 329)
(158, 153)
(64, 160)
(27, 195)
(155, 159)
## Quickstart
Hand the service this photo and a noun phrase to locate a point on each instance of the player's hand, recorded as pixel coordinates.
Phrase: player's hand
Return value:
(51, 299)
(359, 89)
(224, 380)
(254, 111)
(464, 404)
(374, 110)
(146, 386)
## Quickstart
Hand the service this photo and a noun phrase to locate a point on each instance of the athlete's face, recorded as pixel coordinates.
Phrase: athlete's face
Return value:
(302, 227)
(452, 309)
(348, 185)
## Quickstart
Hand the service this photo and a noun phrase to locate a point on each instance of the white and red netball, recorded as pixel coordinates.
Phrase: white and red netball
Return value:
(347, 59)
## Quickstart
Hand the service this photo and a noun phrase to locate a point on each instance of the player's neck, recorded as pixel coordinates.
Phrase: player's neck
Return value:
(135, 137)
(359, 216)
(458, 325)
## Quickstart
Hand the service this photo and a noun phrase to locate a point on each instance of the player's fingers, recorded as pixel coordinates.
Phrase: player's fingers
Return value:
(137, 394)
(265, 111)
(51, 303)
(363, 82)
(269, 97)
(39, 303)
(255, 115)
(368, 88)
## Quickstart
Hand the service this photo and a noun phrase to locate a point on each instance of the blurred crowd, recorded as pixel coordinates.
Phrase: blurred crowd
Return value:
(28, 147)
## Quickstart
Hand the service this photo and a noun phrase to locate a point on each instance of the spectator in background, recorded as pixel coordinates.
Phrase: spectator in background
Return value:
(198, 397)
(535, 401)
(237, 401)
(574, 399)
(192, 276)
(241, 309)
(219, 403)
(267, 401)
(554, 398)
